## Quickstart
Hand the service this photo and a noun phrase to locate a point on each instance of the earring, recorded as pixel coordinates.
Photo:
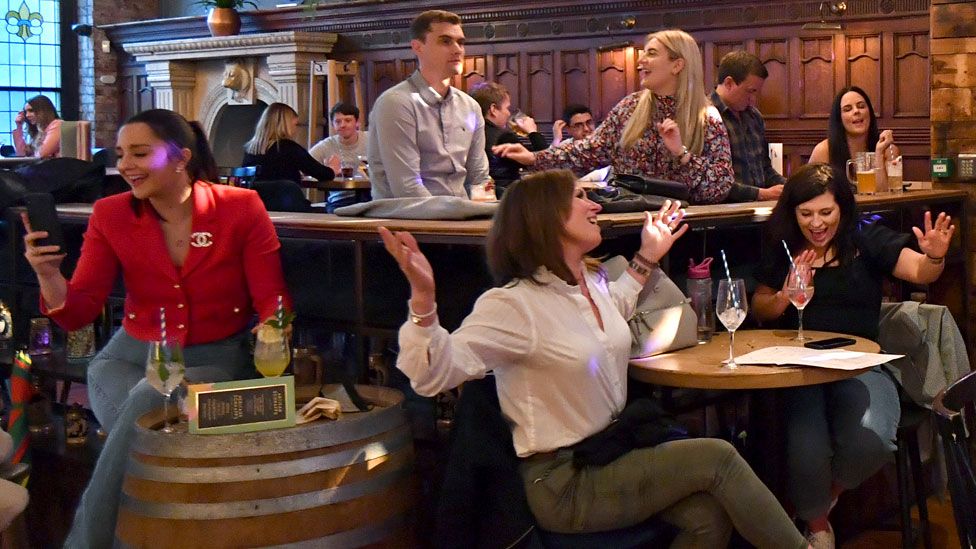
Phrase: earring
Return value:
(179, 169)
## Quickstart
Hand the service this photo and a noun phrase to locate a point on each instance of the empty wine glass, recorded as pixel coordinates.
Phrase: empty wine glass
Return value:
(731, 308)
(164, 371)
(271, 353)
(799, 290)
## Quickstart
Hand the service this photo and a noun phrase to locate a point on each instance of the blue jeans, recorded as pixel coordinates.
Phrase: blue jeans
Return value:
(838, 433)
(119, 395)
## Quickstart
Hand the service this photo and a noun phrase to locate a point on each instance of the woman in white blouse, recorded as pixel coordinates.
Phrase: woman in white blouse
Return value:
(555, 334)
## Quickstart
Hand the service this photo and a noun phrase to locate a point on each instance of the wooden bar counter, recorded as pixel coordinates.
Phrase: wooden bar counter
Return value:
(342, 278)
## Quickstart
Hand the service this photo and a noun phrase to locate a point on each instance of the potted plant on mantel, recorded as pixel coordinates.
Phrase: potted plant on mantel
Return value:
(223, 19)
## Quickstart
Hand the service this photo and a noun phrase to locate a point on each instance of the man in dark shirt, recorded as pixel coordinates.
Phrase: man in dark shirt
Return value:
(496, 104)
(740, 79)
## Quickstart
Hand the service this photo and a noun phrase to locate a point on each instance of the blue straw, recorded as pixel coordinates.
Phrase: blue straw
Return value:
(788, 254)
(728, 275)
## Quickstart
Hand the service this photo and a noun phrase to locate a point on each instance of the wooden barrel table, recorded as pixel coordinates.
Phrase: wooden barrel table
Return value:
(344, 483)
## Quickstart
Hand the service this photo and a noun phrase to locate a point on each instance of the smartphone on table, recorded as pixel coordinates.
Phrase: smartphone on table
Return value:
(830, 343)
(43, 216)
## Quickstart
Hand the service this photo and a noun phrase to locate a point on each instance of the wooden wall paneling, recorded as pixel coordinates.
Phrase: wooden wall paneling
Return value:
(613, 66)
(541, 86)
(504, 69)
(910, 53)
(863, 55)
(712, 54)
(774, 101)
(383, 75)
(474, 71)
(574, 67)
(816, 82)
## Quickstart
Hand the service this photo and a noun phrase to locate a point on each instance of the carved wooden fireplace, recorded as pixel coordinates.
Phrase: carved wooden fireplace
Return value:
(225, 82)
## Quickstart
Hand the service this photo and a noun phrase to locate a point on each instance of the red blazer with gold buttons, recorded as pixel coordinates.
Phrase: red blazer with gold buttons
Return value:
(233, 267)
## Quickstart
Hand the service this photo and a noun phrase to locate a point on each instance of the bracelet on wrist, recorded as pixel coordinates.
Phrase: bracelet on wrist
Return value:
(680, 157)
(647, 263)
(418, 318)
(639, 268)
(935, 260)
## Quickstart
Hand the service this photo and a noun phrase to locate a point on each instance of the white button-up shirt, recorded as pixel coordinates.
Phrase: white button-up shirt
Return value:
(560, 378)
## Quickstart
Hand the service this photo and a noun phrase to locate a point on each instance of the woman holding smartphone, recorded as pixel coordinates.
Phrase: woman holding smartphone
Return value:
(206, 253)
(42, 138)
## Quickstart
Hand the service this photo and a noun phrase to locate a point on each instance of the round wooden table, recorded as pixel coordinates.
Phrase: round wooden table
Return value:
(701, 366)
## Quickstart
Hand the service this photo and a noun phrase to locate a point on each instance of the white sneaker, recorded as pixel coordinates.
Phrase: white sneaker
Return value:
(823, 539)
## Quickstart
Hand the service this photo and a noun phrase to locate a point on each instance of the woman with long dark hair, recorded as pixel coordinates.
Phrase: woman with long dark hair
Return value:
(840, 433)
(853, 128)
(206, 253)
(42, 138)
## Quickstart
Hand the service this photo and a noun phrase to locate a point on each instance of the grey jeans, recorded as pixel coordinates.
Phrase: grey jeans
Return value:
(119, 395)
(702, 486)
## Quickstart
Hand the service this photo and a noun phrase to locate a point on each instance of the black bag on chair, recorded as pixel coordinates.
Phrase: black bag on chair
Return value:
(620, 200)
(651, 186)
(68, 179)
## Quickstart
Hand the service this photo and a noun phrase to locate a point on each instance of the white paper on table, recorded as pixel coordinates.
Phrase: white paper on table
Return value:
(838, 359)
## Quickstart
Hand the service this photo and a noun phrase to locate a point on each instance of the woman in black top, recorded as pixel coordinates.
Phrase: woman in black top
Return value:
(274, 152)
(839, 434)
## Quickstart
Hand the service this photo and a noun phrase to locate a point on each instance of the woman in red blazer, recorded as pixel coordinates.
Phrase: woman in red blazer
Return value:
(207, 253)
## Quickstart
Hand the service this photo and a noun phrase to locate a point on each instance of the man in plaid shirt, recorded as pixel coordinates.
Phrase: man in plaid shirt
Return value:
(740, 78)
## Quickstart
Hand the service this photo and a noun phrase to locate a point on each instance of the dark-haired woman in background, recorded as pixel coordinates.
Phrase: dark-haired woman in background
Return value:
(43, 125)
(853, 128)
(840, 433)
(554, 333)
(276, 154)
(206, 253)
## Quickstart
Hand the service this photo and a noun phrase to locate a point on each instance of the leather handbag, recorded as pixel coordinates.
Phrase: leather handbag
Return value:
(652, 186)
(663, 320)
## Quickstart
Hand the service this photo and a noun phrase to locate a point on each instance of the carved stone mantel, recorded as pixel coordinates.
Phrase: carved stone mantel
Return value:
(189, 75)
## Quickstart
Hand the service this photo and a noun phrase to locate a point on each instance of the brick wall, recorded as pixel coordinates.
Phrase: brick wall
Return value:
(953, 81)
(100, 83)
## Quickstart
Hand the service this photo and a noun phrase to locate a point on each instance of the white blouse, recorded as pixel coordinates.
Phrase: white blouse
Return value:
(560, 378)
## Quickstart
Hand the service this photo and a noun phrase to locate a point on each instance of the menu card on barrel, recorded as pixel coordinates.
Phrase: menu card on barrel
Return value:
(241, 406)
(837, 359)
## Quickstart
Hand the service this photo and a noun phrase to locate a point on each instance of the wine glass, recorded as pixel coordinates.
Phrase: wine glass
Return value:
(271, 353)
(731, 307)
(799, 290)
(164, 371)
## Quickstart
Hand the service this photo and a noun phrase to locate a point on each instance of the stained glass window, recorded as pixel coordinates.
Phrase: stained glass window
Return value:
(30, 57)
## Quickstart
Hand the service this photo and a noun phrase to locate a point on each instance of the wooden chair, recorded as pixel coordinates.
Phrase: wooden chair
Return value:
(949, 409)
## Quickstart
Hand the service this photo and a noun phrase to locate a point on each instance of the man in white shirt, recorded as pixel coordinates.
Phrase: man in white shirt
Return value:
(427, 137)
(347, 146)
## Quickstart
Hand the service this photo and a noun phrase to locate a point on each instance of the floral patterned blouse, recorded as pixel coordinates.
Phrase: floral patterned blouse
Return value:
(708, 175)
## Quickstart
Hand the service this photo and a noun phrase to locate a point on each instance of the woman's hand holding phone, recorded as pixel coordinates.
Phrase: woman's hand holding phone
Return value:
(44, 259)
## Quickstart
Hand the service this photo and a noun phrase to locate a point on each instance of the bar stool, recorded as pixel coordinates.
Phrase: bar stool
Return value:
(907, 455)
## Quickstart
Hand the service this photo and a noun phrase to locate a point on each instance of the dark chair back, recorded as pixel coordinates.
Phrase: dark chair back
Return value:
(243, 176)
(951, 406)
(68, 179)
(282, 195)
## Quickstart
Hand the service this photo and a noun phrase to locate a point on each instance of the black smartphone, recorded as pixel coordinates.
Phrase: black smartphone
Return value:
(44, 217)
(831, 343)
